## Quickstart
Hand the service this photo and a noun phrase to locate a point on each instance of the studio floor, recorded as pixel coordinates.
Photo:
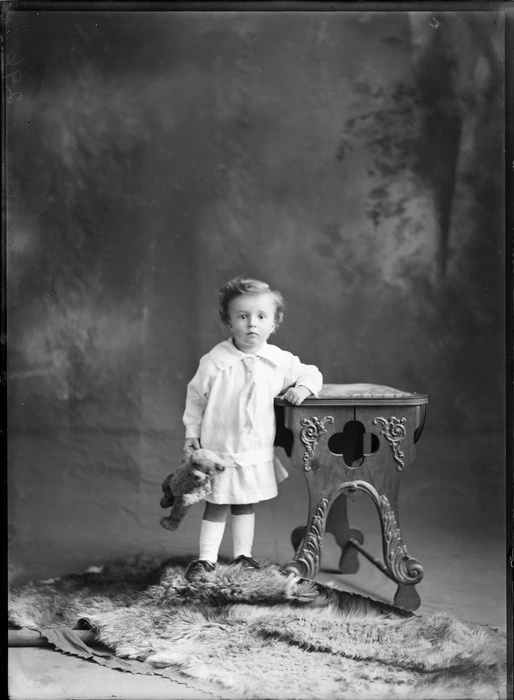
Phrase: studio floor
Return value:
(460, 542)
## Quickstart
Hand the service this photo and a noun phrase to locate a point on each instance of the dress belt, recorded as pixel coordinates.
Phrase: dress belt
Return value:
(245, 459)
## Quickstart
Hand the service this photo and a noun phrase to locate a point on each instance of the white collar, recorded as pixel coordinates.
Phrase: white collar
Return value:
(225, 354)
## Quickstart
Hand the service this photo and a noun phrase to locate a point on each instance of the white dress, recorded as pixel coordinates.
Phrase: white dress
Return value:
(229, 407)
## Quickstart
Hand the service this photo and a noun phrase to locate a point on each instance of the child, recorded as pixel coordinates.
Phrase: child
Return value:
(229, 410)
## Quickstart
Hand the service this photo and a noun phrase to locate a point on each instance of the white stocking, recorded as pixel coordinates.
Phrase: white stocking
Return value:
(243, 527)
(211, 534)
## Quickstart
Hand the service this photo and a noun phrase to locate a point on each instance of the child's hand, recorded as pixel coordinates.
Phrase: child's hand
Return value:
(191, 444)
(296, 394)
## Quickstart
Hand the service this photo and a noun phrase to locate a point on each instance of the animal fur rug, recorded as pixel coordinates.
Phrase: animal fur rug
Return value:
(267, 635)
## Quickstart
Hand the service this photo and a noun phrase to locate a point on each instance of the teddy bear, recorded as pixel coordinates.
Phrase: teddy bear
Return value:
(190, 483)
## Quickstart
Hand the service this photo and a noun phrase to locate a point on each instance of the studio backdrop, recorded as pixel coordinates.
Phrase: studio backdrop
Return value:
(354, 160)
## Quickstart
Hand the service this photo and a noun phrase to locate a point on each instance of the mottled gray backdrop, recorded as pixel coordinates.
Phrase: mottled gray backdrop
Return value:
(353, 159)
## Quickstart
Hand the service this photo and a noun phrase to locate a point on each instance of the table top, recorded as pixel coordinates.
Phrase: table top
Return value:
(360, 395)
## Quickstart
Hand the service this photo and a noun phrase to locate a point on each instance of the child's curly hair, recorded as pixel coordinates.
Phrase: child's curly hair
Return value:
(248, 285)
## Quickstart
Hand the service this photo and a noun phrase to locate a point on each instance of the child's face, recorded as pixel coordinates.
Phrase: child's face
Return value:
(252, 320)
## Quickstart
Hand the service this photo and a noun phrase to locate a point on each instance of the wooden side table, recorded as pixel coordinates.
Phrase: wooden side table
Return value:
(354, 438)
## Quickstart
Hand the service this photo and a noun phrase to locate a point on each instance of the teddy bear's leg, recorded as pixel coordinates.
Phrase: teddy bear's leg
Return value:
(167, 501)
(168, 524)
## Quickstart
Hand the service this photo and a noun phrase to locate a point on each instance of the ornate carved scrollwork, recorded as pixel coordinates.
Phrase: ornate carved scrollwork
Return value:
(394, 432)
(402, 566)
(405, 568)
(310, 434)
(307, 563)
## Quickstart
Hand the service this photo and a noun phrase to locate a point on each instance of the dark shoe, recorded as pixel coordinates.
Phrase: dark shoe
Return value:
(197, 569)
(246, 562)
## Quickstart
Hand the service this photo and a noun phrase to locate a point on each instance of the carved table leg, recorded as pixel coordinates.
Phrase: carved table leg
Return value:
(404, 569)
(297, 536)
(338, 525)
(401, 567)
(308, 556)
(407, 597)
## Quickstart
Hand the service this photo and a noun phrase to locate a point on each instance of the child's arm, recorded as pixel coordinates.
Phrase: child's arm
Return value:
(196, 402)
(307, 380)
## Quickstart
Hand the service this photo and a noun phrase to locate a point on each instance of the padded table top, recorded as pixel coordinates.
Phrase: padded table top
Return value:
(360, 394)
